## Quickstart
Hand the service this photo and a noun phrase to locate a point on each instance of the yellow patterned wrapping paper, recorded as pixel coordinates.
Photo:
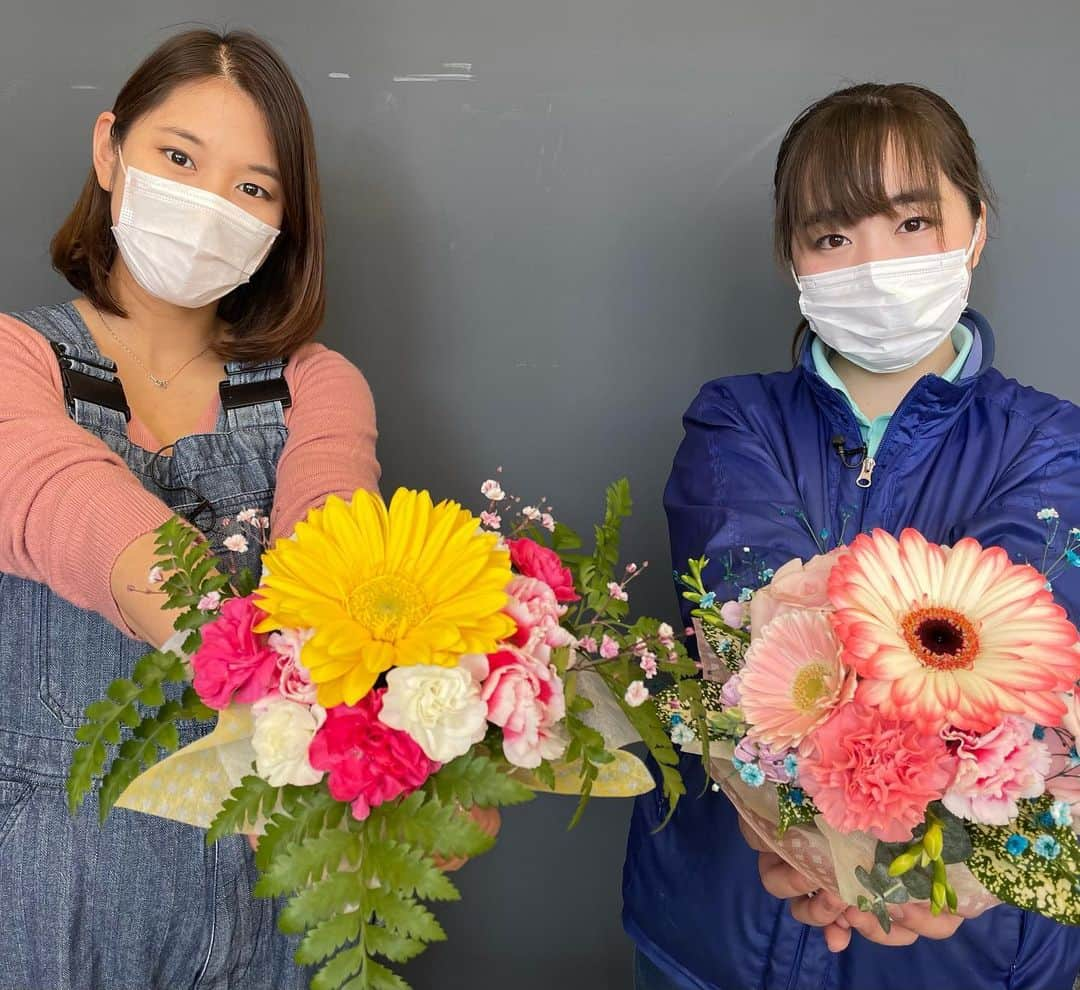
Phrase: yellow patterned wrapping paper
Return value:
(191, 785)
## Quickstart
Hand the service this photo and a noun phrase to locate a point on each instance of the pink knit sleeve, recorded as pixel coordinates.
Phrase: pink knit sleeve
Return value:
(330, 449)
(68, 504)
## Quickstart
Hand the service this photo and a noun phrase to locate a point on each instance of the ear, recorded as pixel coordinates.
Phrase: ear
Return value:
(105, 158)
(976, 254)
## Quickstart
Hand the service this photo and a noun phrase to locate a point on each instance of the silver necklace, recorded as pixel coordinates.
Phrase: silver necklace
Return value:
(159, 382)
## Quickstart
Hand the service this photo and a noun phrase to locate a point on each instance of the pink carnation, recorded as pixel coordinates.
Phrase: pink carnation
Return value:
(794, 586)
(368, 762)
(535, 561)
(234, 662)
(534, 608)
(995, 770)
(872, 774)
(525, 697)
(294, 679)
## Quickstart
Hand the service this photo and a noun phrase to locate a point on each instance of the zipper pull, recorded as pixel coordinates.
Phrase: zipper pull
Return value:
(866, 474)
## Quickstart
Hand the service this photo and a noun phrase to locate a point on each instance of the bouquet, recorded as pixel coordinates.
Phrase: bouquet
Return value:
(899, 721)
(394, 669)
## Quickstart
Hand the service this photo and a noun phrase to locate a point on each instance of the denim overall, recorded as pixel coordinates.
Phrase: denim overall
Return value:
(139, 902)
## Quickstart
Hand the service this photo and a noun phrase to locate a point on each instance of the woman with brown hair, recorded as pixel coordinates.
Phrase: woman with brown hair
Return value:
(893, 416)
(183, 379)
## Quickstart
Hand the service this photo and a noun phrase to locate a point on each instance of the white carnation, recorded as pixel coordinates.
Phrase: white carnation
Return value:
(283, 732)
(440, 707)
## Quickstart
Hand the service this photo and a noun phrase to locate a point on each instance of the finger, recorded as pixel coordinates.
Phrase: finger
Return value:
(751, 837)
(451, 865)
(488, 819)
(781, 880)
(253, 841)
(921, 920)
(868, 926)
(837, 938)
(820, 910)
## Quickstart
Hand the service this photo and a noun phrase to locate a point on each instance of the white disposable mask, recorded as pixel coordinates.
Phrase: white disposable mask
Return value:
(186, 245)
(889, 315)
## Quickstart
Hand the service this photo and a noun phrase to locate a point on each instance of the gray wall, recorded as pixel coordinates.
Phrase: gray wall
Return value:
(538, 265)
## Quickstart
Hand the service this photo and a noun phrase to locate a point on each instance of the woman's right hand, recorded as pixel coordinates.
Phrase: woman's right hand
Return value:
(823, 909)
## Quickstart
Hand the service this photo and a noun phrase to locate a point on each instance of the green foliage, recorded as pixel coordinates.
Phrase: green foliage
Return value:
(796, 808)
(477, 779)
(139, 704)
(1042, 875)
(598, 571)
(358, 890)
(919, 865)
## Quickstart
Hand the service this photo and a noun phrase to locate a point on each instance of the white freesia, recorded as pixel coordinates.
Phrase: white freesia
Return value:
(440, 707)
(283, 732)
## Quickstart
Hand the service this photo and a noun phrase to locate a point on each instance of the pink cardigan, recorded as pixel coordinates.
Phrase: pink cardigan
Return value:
(69, 505)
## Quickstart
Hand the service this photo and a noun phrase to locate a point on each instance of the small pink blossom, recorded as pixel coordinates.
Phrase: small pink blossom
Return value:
(210, 602)
(617, 591)
(492, 490)
(666, 635)
(648, 664)
(609, 649)
(640, 647)
(547, 520)
(588, 644)
(995, 770)
(156, 576)
(631, 568)
(491, 519)
(236, 543)
(247, 516)
(636, 694)
(531, 512)
(689, 632)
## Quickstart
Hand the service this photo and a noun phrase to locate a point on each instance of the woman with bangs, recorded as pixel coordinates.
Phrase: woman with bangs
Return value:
(183, 378)
(893, 416)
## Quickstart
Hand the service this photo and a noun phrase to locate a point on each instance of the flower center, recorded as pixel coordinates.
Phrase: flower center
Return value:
(809, 686)
(387, 603)
(941, 638)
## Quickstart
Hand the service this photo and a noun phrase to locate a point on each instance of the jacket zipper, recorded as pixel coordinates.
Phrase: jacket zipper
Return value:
(866, 473)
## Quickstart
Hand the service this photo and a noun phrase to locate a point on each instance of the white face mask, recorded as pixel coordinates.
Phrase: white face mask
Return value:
(888, 316)
(186, 245)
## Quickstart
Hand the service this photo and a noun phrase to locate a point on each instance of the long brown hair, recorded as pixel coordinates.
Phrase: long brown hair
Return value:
(283, 304)
(831, 161)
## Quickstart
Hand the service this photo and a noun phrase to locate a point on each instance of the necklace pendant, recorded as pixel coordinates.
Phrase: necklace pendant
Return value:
(160, 382)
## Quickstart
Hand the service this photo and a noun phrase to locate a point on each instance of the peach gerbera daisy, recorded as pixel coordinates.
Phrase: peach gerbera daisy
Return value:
(958, 636)
(792, 678)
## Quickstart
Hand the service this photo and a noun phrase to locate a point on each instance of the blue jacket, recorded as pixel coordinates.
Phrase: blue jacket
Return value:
(758, 480)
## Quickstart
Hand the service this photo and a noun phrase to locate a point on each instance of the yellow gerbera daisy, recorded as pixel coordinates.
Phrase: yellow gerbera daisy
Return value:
(417, 583)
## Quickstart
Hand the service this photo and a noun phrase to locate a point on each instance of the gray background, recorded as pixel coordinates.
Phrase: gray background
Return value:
(538, 265)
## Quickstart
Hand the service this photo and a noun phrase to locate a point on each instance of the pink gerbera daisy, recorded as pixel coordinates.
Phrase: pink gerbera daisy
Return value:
(958, 636)
(792, 678)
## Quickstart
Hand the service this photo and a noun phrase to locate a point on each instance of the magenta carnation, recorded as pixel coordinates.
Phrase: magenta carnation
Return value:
(368, 762)
(234, 662)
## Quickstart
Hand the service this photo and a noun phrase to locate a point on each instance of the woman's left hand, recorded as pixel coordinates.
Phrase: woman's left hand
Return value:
(489, 820)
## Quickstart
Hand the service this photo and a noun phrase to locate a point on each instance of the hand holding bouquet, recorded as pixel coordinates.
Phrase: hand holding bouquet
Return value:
(899, 720)
(395, 668)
